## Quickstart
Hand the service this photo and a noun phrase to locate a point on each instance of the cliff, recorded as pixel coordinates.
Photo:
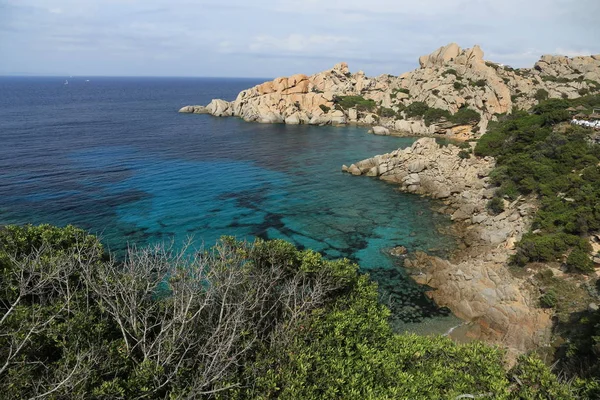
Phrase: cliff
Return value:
(448, 80)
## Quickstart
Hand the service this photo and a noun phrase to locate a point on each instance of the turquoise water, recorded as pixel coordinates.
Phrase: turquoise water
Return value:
(115, 157)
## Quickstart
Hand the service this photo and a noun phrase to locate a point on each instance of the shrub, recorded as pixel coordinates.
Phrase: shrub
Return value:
(465, 115)
(416, 109)
(464, 154)
(496, 205)
(583, 91)
(458, 86)
(387, 112)
(541, 95)
(359, 102)
(579, 260)
(479, 83)
(325, 108)
(435, 92)
(549, 299)
(435, 115)
(449, 71)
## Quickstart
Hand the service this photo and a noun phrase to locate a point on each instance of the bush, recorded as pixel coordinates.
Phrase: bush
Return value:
(479, 83)
(449, 71)
(465, 116)
(435, 115)
(325, 108)
(458, 86)
(359, 102)
(496, 205)
(541, 95)
(549, 299)
(579, 260)
(386, 112)
(416, 109)
(464, 154)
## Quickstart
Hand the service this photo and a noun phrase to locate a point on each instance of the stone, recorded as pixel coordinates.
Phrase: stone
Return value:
(398, 251)
(379, 130)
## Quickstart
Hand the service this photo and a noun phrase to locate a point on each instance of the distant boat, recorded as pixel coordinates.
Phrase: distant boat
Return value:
(66, 82)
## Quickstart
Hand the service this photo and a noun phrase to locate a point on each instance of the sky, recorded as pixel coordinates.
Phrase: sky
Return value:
(270, 38)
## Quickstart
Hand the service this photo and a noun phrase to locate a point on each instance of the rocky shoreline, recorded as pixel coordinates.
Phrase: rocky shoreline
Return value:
(475, 283)
(420, 102)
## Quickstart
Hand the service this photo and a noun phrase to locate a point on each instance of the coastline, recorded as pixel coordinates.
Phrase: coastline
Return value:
(474, 282)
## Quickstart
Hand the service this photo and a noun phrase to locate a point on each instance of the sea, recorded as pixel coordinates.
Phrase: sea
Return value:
(113, 156)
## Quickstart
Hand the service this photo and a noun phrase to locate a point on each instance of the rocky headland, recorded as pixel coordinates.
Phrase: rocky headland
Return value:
(448, 80)
(475, 282)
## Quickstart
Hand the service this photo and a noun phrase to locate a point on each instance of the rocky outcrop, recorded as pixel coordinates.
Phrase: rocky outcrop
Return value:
(475, 283)
(449, 79)
(194, 110)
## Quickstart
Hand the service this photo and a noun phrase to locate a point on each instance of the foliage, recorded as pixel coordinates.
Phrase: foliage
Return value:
(464, 154)
(496, 205)
(579, 260)
(549, 299)
(325, 108)
(449, 71)
(243, 320)
(458, 86)
(465, 116)
(435, 115)
(541, 95)
(479, 83)
(558, 166)
(416, 109)
(387, 112)
(359, 102)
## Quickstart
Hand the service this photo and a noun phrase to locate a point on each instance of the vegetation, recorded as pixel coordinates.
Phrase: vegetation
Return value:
(358, 102)
(560, 167)
(242, 320)
(324, 108)
(435, 115)
(458, 86)
(416, 109)
(465, 116)
(541, 95)
(449, 71)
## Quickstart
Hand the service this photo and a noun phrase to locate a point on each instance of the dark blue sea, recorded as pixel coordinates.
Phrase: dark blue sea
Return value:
(113, 156)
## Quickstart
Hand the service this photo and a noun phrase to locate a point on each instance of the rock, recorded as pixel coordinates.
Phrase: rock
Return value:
(593, 307)
(379, 130)
(194, 110)
(440, 82)
(398, 251)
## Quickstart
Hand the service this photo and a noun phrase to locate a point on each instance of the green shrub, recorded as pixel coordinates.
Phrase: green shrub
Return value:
(549, 299)
(435, 115)
(479, 83)
(325, 108)
(387, 112)
(435, 92)
(496, 205)
(416, 109)
(458, 86)
(465, 116)
(449, 71)
(541, 95)
(579, 260)
(359, 102)
(464, 154)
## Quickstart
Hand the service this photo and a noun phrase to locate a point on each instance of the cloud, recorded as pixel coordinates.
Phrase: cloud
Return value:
(241, 38)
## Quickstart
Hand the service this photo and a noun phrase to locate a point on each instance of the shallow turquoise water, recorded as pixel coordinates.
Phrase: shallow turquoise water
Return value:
(116, 158)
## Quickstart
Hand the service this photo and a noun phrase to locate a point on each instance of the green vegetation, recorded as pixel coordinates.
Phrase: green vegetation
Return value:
(386, 112)
(541, 95)
(435, 115)
(449, 71)
(549, 299)
(550, 78)
(325, 108)
(465, 115)
(242, 320)
(458, 86)
(479, 83)
(560, 167)
(395, 92)
(416, 109)
(359, 102)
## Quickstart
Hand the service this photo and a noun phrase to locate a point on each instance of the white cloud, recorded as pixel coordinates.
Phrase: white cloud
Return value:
(295, 43)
